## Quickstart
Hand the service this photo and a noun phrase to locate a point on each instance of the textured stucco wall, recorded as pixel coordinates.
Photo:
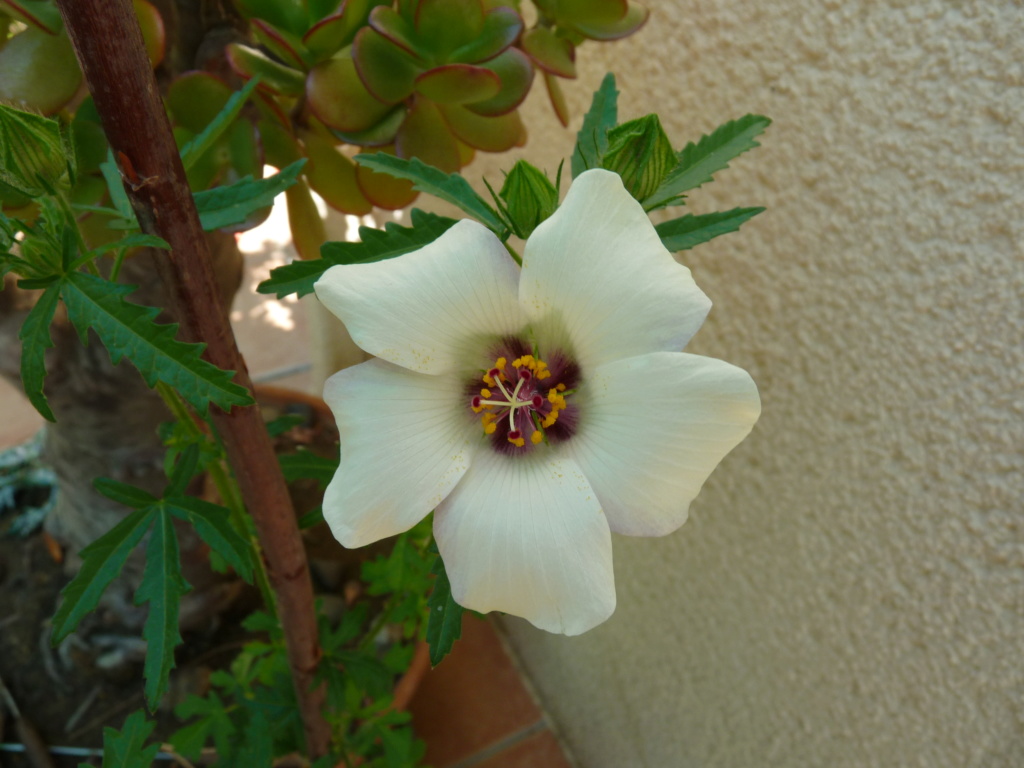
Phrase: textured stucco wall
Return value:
(849, 590)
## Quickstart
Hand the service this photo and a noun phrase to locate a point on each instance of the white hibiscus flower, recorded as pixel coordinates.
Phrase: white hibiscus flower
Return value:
(536, 410)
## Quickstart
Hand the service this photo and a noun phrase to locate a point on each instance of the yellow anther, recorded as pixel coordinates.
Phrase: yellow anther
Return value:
(488, 380)
(550, 419)
(490, 429)
(485, 392)
(536, 437)
(518, 442)
(560, 387)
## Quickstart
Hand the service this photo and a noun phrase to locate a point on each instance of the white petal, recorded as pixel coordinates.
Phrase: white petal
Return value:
(526, 536)
(433, 310)
(405, 442)
(653, 428)
(597, 273)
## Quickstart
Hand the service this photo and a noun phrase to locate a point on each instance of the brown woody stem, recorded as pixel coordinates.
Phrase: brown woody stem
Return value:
(109, 45)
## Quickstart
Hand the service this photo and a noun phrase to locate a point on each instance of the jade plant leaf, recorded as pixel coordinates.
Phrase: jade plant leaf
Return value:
(552, 53)
(687, 231)
(278, 78)
(635, 18)
(383, 189)
(284, 45)
(339, 99)
(304, 220)
(425, 135)
(458, 84)
(589, 11)
(448, 24)
(388, 71)
(392, 25)
(38, 13)
(515, 72)
(332, 175)
(153, 34)
(500, 29)
(39, 70)
(557, 98)
(491, 134)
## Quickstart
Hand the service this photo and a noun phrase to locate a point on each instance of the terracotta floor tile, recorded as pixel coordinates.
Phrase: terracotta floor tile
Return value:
(541, 750)
(472, 700)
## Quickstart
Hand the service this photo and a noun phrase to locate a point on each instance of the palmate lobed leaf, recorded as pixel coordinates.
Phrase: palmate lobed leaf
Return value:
(227, 206)
(448, 186)
(699, 162)
(101, 563)
(128, 330)
(162, 587)
(213, 524)
(35, 340)
(373, 245)
(444, 624)
(124, 748)
(592, 139)
(687, 231)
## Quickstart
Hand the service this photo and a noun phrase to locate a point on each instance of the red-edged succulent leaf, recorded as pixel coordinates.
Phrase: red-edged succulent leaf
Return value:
(387, 71)
(445, 25)
(274, 77)
(286, 46)
(502, 26)
(39, 70)
(426, 135)
(339, 99)
(382, 134)
(458, 84)
(332, 175)
(557, 99)
(321, 9)
(599, 12)
(304, 220)
(491, 134)
(397, 29)
(289, 15)
(195, 98)
(35, 13)
(270, 109)
(551, 53)
(280, 147)
(515, 71)
(334, 32)
(635, 18)
(385, 191)
(153, 33)
(466, 153)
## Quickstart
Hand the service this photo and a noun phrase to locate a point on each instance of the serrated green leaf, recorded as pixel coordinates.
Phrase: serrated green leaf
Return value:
(122, 493)
(135, 240)
(124, 748)
(128, 330)
(450, 187)
(213, 524)
(690, 230)
(214, 720)
(374, 245)
(162, 587)
(366, 672)
(101, 563)
(227, 206)
(699, 162)
(444, 624)
(183, 469)
(592, 139)
(256, 748)
(115, 186)
(35, 340)
(195, 148)
(305, 464)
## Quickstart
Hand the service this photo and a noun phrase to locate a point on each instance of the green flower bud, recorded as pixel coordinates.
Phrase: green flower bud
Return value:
(530, 197)
(640, 152)
(34, 157)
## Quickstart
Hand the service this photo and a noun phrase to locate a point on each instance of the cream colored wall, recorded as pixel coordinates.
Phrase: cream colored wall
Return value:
(849, 590)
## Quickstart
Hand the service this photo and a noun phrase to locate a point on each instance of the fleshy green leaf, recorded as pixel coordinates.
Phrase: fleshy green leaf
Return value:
(227, 206)
(123, 749)
(201, 143)
(698, 162)
(592, 139)
(35, 340)
(101, 563)
(444, 624)
(690, 230)
(128, 330)
(213, 524)
(450, 187)
(162, 587)
(373, 245)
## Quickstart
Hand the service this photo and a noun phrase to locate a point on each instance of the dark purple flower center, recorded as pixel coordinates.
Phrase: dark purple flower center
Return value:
(521, 399)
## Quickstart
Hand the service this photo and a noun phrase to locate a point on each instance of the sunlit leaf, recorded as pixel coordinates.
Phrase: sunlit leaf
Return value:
(690, 230)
